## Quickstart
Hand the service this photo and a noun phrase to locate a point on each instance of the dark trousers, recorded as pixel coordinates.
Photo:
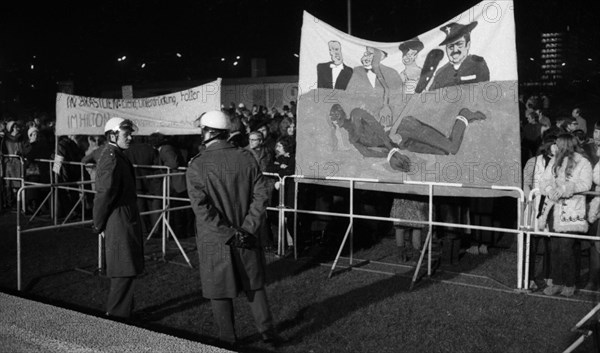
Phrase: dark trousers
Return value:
(179, 219)
(120, 297)
(562, 257)
(223, 312)
(594, 273)
(546, 261)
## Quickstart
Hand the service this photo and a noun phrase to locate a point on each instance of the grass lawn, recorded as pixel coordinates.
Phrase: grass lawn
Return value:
(470, 306)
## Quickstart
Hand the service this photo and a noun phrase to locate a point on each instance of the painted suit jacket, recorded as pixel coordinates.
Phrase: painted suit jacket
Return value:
(473, 69)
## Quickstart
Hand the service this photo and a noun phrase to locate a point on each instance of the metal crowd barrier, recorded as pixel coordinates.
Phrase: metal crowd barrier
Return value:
(526, 224)
(79, 186)
(427, 248)
(531, 228)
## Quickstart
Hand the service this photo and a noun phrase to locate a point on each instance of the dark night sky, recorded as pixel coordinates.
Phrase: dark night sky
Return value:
(82, 40)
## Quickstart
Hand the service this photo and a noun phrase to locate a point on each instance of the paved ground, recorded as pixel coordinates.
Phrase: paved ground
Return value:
(29, 326)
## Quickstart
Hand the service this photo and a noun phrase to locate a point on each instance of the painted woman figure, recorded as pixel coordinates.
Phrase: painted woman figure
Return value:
(412, 72)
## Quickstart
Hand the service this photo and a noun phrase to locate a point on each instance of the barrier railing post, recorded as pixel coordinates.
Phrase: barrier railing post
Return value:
(520, 245)
(351, 245)
(100, 245)
(295, 218)
(168, 195)
(164, 218)
(19, 273)
(55, 188)
(281, 219)
(22, 182)
(52, 194)
(428, 241)
(82, 193)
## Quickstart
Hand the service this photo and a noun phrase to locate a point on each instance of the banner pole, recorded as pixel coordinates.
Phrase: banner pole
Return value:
(349, 16)
(54, 189)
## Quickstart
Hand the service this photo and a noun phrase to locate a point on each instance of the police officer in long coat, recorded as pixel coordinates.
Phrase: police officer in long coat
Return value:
(229, 194)
(116, 214)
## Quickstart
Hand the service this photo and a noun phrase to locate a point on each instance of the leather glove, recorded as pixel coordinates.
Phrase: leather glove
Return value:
(242, 239)
(96, 230)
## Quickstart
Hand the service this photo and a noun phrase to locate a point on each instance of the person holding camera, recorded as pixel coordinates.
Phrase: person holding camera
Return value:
(229, 194)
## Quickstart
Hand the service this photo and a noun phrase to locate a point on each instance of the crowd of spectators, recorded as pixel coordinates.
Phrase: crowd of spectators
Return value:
(268, 134)
(559, 150)
(560, 154)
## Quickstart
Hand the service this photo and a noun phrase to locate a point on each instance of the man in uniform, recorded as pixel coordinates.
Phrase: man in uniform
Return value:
(116, 214)
(228, 194)
(462, 67)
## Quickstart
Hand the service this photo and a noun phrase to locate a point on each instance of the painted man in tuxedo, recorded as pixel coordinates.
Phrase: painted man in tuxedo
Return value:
(372, 77)
(334, 74)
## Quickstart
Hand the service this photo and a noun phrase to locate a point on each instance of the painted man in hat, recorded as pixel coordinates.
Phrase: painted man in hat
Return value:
(462, 67)
(334, 74)
(374, 77)
(412, 72)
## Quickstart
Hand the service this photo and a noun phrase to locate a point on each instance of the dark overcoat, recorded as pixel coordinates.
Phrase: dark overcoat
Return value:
(226, 187)
(116, 213)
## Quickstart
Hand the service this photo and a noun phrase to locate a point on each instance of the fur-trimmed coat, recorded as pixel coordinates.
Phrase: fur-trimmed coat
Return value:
(570, 210)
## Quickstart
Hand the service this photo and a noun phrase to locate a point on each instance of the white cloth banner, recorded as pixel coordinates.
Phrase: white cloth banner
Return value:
(439, 107)
(170, 114)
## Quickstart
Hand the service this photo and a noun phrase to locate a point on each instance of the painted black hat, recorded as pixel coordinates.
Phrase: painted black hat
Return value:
(455, 30)
(414, 44)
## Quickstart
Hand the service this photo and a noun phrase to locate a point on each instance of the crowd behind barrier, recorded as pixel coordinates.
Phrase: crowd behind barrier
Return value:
(29, 158)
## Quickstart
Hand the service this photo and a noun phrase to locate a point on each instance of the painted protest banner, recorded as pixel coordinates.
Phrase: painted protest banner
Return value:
(170, 114)
(442, 106)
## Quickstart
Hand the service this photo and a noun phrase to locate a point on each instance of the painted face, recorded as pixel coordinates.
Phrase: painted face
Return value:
(124, 139)
(335, 115)
(335, 51)
(255, 140)
(458, 51)
(410, 57)
(367, 58)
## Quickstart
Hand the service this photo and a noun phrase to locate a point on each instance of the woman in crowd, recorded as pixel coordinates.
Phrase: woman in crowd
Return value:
(567, 174)
(532, 173)
(285, 164)
(287, 127)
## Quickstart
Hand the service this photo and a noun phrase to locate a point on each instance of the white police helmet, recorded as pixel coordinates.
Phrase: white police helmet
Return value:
(215, 119)
(116, 123)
